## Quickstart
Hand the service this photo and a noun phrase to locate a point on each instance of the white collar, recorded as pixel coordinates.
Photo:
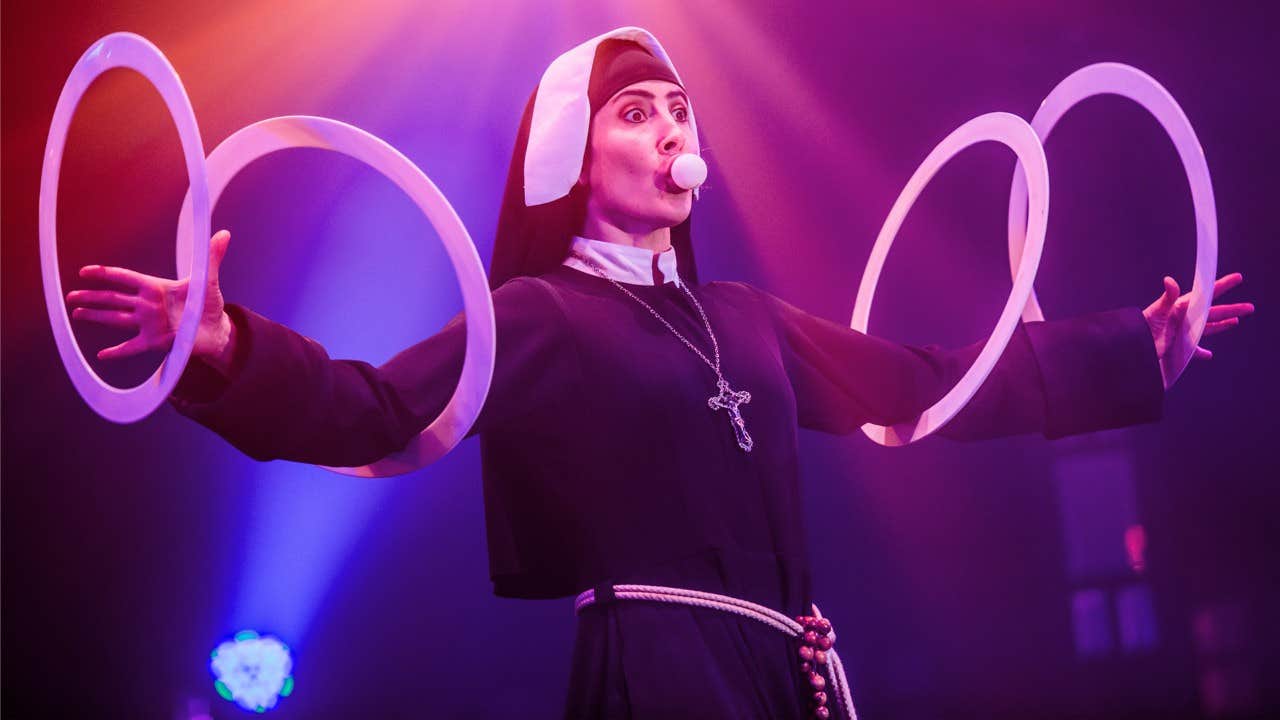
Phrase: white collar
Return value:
(624, 263)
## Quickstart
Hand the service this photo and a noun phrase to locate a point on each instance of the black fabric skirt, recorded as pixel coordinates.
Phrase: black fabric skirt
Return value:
(645, 660)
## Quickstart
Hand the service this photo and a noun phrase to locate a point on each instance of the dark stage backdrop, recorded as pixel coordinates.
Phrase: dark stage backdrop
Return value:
(967, 580)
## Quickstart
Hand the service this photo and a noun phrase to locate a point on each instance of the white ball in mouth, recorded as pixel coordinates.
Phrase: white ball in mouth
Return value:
(688, 171)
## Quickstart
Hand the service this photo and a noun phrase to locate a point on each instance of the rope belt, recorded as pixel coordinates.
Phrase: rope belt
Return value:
(815, 633)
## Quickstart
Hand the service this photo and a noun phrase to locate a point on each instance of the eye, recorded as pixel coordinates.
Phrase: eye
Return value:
(635, 115)
(681, 114)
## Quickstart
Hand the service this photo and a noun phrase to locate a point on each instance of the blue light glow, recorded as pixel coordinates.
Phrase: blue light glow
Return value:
(252, 670)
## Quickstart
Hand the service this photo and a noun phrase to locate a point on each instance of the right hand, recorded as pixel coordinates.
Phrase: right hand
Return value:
(153, 306)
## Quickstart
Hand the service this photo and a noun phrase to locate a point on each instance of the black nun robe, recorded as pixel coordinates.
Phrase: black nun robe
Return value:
(603, 463)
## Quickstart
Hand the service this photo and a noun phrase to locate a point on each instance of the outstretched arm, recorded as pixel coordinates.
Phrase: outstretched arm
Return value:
(1061, 377)
(274, 393)
(288, 399)
(1057, 378)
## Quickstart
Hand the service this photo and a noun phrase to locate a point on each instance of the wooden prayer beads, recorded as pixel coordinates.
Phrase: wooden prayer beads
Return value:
(814, 644)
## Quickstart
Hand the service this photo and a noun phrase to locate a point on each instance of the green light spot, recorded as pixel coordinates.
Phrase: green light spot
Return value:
(246, 635)
(223, 690)
(213, 654)
(260, 709)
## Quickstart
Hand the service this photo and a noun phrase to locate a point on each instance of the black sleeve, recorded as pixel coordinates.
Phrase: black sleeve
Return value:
(1059, 378)
(286, 399)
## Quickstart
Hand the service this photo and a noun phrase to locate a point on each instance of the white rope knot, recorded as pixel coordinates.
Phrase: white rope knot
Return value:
(737, 606)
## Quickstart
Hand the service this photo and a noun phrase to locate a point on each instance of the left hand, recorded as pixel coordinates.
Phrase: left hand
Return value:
(1167, 317)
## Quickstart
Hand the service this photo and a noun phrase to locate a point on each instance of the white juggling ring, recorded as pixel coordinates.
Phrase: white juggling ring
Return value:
(125, 50)
(1129, 82)
(299, 131)
(1014, 132)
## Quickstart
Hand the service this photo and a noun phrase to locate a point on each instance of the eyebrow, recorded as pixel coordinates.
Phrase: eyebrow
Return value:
(650, 96)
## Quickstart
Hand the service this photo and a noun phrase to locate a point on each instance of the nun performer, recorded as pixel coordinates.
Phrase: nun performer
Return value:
(602, 462)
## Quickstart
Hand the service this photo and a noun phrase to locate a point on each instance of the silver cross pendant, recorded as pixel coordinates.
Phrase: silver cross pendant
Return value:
(729, 400)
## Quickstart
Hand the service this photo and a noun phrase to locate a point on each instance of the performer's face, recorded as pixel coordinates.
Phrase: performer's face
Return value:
(634, 139)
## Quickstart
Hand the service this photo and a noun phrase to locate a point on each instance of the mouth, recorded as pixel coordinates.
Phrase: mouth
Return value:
(665, 183)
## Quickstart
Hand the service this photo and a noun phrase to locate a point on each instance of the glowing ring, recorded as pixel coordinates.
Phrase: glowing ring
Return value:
(1129, 82)
(1015, 133)
(124, 50)
(300, 131)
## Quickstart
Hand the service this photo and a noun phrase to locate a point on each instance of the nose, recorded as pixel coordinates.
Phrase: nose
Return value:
(672, 141)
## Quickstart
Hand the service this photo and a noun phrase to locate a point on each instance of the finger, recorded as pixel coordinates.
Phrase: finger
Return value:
(102, 298)
(217, 251)
(122, 276)
(1202, 354)
(1220, 312)
(1226, 282)
(1178, 312)
(132, 346)
(115, 318)
(1214, 328)
(1171, 292)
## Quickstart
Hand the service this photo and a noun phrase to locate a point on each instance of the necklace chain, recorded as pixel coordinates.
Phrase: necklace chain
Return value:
(715, 347)
(726, 398)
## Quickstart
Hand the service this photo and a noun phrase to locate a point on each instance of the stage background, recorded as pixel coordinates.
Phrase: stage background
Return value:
(967, 580)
